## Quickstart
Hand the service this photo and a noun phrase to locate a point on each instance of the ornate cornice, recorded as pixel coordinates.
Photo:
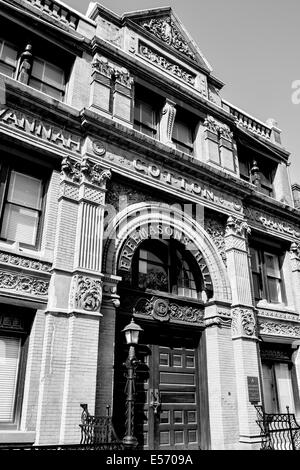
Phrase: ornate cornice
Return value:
(166, 30)
(276, 314)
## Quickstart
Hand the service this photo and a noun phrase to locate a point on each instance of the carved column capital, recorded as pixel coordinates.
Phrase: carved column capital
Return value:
(295, 256)
(85, 293)
(244, 323)
(211, 125)
(237, 227)
(93, 173)
(101, 65)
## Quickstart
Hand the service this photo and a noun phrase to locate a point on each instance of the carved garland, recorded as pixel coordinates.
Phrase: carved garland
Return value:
(279, 329)
(23, 284)
(24, 262)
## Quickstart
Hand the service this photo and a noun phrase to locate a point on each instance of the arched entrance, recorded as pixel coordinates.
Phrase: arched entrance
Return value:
(166, 281)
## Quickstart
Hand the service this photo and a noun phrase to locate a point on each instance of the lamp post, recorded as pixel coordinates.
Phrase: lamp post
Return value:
(132, 331)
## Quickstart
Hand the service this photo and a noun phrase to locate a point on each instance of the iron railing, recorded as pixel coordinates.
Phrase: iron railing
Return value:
(97, 433)
(279, 431)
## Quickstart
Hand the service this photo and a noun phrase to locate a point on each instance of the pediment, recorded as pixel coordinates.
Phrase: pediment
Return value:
(166, 26)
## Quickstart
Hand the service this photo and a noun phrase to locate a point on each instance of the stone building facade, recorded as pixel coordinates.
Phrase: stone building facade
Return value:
(129, 185)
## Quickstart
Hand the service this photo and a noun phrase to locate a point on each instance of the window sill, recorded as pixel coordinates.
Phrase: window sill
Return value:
(14, 248)
(17, 437)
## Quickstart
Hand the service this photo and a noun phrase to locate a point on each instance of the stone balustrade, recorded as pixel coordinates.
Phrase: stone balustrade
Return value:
(248, 122)
(57, 11)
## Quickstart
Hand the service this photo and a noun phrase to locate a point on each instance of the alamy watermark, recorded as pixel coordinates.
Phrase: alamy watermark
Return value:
(296, 92)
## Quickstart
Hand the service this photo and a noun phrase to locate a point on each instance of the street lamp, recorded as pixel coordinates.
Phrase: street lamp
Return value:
(131, 331)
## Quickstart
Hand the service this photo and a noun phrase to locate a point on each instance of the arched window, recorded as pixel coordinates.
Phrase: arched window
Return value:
(166, 266)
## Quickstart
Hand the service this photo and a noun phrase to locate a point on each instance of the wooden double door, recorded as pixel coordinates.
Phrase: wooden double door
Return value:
(170, 412)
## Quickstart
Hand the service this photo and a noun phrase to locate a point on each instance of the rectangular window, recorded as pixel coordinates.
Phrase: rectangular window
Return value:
(266, 275)
(10, 349)
(183, 136)
(48, 78)
(8, 58)
(277, 387)
(22, 208)
(145, 118)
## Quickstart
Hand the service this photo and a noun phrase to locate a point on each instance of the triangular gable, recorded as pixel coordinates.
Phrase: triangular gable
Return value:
(166, 26)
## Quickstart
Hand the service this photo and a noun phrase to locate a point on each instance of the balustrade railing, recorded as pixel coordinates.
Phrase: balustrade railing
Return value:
(56, 11)
(248, 122)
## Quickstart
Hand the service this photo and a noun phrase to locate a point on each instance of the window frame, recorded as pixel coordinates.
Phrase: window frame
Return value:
(263, 275)
(24, 337)
(62, 90)
(173, 262)
(138, 124)
(13, 46)
(5, 178)
(181, 118)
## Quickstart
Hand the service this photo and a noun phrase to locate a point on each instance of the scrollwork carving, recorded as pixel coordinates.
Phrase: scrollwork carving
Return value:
(86, 293)
(165, 30)
(243, 322)
(211, 124)
(278, 328)
(163, 310)
(217, 232)
(237, 227)
(23, 284)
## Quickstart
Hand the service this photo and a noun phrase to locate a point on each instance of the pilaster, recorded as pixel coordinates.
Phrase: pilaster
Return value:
(122, 96)
(244, 326)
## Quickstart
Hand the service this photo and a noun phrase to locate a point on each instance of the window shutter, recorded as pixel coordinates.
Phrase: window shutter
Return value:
(9, 365)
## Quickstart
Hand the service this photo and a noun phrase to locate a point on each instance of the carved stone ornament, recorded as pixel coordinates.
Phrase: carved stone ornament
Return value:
(166, 64)
(217, 232)
(14, 260)
(295, 250)
(99, 147)
(169, 109)
(277, 328)
(87, 169)
(243, 322)
(71, 168)
(94, 173)
(225, 133)
(23, 284)
(237, 227)
(86, 293)
(211, 124)
(165, 29)
(121, 74)
(165, 310)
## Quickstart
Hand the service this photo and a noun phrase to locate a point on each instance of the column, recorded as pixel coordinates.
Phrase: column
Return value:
(167, 123)
(244, 330)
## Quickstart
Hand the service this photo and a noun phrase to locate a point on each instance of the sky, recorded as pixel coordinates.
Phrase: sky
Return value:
(253, 47)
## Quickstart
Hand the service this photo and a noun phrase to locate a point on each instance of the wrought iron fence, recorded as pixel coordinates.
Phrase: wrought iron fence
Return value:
(279, 431)
(97, 433)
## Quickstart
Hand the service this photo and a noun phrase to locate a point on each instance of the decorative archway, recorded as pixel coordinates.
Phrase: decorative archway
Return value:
(143, 220)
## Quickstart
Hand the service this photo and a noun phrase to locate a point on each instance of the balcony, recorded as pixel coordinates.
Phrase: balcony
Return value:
(248, 122)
